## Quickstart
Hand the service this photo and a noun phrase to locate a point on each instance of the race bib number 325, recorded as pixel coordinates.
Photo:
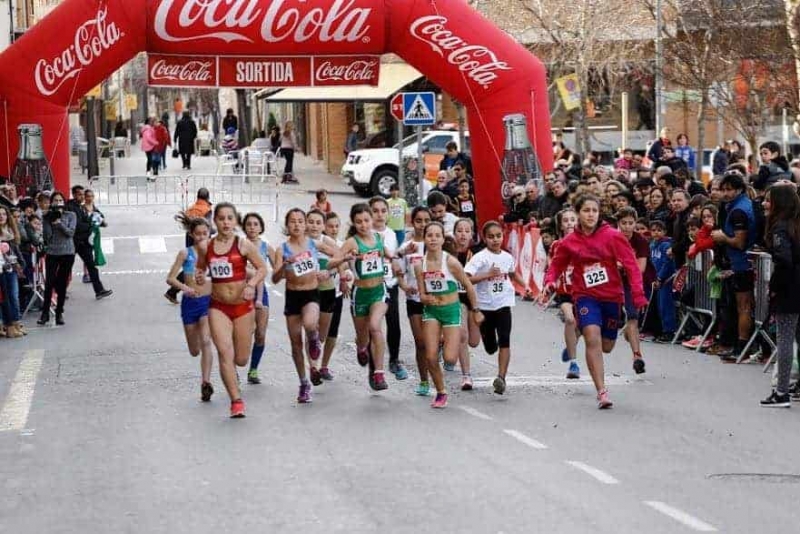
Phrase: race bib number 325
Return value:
(595, 276)
(221, 269)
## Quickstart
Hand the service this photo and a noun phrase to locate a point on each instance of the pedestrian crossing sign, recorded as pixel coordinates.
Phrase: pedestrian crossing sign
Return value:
(419, 109)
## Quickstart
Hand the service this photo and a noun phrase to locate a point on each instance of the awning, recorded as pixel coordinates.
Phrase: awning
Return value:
(393, 77)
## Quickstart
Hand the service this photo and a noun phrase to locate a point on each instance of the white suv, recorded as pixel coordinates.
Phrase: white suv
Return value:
(372, 171)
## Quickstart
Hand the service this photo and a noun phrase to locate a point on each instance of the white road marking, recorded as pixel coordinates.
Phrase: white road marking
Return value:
(152, 244)
(681, 517)
(118, 273)
(558, 381)
(475, 413)
(530, 442)
(15, 411)
(141, 236)
(108, 245)
(600, 476)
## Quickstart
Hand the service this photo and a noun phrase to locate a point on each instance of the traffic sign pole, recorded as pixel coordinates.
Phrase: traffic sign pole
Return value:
(401, 180)
(420, 167)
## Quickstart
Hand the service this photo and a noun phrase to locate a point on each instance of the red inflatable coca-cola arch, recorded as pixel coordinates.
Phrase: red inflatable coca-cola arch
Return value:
(81, 42)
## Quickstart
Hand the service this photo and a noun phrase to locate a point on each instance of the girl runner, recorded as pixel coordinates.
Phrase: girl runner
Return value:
(380, 215)
(315, 224)
(470, 330)
(492, 271)
(594, 249)
(626, 222)
(438, 277)
(342, 278)
(231, 316)
(412, 252)
(298, 262)
(254, 229)
(195, 302)
(365, 249)
(566, 221)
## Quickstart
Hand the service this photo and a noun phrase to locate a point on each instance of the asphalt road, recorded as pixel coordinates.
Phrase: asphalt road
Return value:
(101, 430)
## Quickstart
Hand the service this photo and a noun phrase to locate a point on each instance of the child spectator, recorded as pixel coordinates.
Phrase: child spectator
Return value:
(322, 203)
(703, 241)
(398, 213)
(665, 269)
(643, 227)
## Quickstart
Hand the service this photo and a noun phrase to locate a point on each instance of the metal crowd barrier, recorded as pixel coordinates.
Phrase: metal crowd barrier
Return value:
(702, 304)
(762, 269)
(181, 191)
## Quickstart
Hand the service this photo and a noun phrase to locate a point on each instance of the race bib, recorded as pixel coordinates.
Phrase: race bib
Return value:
(303, 264)
(221, 269)
(372, 263)
(435, 282)
(595, 276)
(467, 207)
(497, 284)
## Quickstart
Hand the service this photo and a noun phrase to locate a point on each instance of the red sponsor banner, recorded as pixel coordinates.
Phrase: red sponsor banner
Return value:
(182, 71)
(339, 70)
(264, 71)
(524, 243)
(268, 26)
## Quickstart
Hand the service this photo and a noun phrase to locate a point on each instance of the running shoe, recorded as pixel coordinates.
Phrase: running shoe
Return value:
(466, 383)
(326, 374)
(638, 366)
(794, 392)
(499, 385)
(252, 377)
(574, 371)
(314, 348)
(440, 401)
(692, 343)
(170, 297)
(664, 339)
(363, 356)
(423, 389)
(646, 336)
(316, 376)
(378, 382)
(103, 294)
(206, 390)
(603, 402)
(398, 370)
(304, 396)
(775, 400)
(450, 367)
(565, 355)
(237, 409)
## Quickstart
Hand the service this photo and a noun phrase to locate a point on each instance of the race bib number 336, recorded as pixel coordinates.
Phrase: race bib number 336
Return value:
(303, 264)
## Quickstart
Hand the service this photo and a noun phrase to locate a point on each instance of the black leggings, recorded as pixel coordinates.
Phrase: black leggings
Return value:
(86, 253)
(336, 319)
(288, 155)
(393, 323)
(496, 329)
(59, 269)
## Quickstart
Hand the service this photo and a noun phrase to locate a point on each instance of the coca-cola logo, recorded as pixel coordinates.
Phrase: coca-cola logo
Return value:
(193, 71)
(356, 71)
(478, 62)
(228, 19)
(92, 38)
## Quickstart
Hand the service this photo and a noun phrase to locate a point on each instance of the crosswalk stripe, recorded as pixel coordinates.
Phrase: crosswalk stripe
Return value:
(108, 245)
(152, 245)
(14, 415)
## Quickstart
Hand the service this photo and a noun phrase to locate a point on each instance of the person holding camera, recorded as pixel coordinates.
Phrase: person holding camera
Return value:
(59, 231)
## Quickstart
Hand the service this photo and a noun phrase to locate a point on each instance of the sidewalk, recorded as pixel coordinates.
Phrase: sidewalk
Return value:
(311, 174)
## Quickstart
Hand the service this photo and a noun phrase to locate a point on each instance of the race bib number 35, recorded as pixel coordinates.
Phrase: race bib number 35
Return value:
(595, 276)
(303, 264)
(435, 282)
(221, 269)
(497, 284)
(372, 263)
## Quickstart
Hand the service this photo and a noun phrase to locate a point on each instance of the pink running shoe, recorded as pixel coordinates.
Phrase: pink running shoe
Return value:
(314, 348)
(440, 401)
(692, 343)
(603, 402)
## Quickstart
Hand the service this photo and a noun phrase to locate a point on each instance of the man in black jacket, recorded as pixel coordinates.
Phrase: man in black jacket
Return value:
(84, 249)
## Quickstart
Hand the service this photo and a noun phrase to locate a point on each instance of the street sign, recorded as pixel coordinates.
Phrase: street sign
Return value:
(419, 109)
(397, 107)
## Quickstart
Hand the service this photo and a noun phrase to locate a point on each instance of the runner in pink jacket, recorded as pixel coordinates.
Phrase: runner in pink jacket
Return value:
(595, 250)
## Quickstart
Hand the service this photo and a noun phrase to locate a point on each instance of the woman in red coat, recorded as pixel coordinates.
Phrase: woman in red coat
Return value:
(164, 142)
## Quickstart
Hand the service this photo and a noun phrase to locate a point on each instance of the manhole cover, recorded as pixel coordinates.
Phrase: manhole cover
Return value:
(771, 478)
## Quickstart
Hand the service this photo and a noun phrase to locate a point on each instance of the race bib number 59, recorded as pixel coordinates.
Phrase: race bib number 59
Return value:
(435, 282)
(221, 270)
(595, 276)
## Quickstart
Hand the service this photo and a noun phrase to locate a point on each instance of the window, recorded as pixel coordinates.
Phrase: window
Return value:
(437, 144)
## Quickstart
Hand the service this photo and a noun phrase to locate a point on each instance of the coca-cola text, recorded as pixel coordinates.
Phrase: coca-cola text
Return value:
(346, 71)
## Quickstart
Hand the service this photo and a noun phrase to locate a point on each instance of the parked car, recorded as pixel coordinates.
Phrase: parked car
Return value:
(373, 171)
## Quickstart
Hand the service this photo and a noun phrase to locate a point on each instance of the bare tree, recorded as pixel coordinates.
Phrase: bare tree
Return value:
(598, 41)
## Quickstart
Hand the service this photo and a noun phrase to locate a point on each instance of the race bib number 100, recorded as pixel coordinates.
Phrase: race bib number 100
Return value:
(221, 270)
(595, 276)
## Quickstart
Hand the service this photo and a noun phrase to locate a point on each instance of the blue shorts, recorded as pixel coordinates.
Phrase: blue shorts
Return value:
(264, 298)
(606, 315)
(194, 309)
